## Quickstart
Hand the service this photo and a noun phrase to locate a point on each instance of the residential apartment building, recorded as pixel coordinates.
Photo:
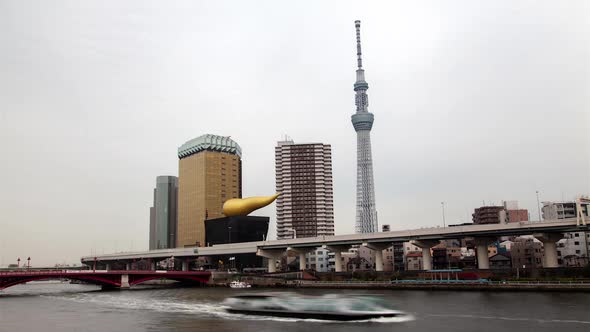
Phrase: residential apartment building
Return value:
(563, 210)
(515, 214)
(489, 215)
(414, 261)
(574, 248)
(526, 252)
(304, 177)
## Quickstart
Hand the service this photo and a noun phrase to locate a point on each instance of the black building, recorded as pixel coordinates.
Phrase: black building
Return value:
(235, 230)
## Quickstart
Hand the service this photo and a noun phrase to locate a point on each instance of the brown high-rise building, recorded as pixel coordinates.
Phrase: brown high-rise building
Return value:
(209, 173)
(304, 177)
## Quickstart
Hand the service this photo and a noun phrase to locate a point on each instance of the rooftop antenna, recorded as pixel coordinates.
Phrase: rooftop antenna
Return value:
(359, 59)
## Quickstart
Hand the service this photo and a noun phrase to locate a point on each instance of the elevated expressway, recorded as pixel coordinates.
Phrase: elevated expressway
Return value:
(548, 232)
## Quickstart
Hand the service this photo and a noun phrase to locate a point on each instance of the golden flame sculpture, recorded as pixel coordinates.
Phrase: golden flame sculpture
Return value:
(243, 206)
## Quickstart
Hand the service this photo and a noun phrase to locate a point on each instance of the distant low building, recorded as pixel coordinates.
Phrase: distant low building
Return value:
(563, 210)
(359, 258)
(513, 213)
(527, 252)
(414, 261)
(320, 260)
(500, 261)
(447, 254)
(508, 212)
(574, 249)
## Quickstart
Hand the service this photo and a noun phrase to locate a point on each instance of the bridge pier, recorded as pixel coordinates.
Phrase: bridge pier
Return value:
(377, 249)
(272, 255)
(481, 248)
(549, 248)
(337, 250)
(426, 255)
(125, 281)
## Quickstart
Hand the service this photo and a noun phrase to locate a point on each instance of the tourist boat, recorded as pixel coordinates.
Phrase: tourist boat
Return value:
(239, 284)
(327, 307)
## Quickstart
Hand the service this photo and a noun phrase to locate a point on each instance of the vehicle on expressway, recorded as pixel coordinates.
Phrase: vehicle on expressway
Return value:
(327, 307)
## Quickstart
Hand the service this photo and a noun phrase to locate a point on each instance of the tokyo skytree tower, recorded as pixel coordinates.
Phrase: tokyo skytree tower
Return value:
(362, 120)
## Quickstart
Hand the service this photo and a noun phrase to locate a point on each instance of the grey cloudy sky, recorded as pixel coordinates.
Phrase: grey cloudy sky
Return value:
(473, 101)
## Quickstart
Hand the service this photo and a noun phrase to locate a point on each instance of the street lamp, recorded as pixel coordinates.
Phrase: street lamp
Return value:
(229, 233)
(442, 204)
(18, 263)
(28, 263)
(538, 205)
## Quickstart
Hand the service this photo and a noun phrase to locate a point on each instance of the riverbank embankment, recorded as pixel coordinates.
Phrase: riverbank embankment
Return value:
(422, 285)
(460, 286)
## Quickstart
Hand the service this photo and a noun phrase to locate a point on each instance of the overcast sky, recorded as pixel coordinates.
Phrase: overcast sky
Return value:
(474, 101)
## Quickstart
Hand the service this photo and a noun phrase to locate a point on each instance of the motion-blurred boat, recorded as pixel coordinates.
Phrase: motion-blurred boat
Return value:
(328, 307)
(239, 284)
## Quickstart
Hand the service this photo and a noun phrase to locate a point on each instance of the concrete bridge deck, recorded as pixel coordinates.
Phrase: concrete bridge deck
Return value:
(549, 231)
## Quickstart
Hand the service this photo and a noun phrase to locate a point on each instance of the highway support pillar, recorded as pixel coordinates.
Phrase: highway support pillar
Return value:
(337, 250)
(549, 248)
(272, 255)
(377, 249)
(124, 281)
(481, 248)
(426, 255)
(301, 252)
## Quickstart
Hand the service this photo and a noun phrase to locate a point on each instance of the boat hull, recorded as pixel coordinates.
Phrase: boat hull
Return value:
(315, 315)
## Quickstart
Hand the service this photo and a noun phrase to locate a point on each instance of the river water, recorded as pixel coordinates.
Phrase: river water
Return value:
(66, 307)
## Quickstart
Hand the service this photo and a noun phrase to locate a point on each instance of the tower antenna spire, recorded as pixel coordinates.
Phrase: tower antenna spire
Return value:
(359, 59)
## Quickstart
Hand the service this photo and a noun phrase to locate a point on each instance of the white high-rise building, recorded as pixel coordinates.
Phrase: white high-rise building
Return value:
(304, 177)
(362, 120)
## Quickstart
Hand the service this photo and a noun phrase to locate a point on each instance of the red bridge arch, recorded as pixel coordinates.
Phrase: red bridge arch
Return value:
(102, 278)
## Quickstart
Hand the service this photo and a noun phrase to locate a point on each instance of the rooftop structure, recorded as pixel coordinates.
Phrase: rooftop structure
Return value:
(209, 142)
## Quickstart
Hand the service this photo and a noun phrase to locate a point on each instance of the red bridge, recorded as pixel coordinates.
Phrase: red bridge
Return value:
(108, 279)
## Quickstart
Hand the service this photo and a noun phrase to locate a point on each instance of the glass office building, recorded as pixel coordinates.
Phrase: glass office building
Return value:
(163, 214)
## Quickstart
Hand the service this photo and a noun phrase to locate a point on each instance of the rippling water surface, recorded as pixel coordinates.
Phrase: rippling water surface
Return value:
(66, 307)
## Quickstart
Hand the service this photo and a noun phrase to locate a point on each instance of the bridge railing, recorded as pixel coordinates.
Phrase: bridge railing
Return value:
(73, 272)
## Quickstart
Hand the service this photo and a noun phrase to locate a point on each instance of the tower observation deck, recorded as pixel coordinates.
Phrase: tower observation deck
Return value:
(362, 121)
